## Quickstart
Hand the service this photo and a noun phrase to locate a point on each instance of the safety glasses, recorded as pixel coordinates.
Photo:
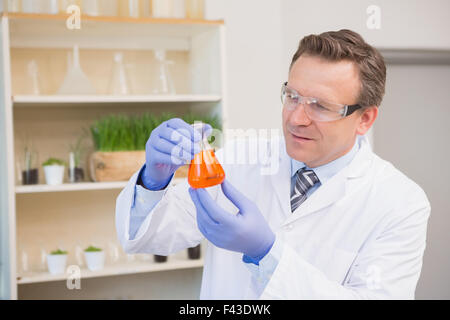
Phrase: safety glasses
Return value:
(316, 109)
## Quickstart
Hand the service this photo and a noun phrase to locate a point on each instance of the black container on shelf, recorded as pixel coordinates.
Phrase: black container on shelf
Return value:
(78, 175)
(158, 258)
(194, 253)
(30, 176)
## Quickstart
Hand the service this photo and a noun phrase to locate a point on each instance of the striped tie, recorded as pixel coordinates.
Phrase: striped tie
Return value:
(305, 179)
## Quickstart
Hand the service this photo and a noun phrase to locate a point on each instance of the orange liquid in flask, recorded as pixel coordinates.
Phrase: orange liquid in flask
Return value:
(205, 170)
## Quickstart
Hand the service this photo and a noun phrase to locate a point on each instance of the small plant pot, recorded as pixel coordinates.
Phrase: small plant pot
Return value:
(54, 174)
(194, 253)
(30, 176)
(159, 259)
(56, 263)
(95, 260)
(78, 175)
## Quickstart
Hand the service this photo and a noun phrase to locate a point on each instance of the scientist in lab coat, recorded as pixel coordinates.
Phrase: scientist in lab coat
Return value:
(334, 221)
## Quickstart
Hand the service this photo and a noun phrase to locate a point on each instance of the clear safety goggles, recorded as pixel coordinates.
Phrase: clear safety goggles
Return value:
(316, 109)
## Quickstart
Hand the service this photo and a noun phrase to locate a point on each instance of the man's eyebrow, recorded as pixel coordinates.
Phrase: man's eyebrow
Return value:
(298, 91)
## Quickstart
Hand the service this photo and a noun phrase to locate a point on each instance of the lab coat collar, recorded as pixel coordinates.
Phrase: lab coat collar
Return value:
(326, 171)
(328, 193)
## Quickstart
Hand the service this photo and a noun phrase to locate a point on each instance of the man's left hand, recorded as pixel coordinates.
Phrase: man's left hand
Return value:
(246, 232)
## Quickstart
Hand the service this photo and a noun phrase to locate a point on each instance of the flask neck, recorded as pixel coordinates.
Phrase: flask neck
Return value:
(205, 144)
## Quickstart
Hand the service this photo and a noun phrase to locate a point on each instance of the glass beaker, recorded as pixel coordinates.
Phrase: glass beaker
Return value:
(32, 6)
(91, 7)
(134, 8)
(64, 4)
(29, 172)
(50, 6)
(10, 5)
(205, 170)
(195, 9)
(162, 8)
(179, 9)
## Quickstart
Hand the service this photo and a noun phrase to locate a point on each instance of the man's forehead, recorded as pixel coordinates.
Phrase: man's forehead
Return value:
(329, 80)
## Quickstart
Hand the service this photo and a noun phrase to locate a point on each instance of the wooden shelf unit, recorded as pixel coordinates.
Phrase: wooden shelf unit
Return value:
(112, 19)
(54, 213)
(173, 263)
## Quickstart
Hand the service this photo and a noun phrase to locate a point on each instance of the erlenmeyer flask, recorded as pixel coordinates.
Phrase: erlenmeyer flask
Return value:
(164, 83)
(119, 80)
(205, 170)
(76, 81)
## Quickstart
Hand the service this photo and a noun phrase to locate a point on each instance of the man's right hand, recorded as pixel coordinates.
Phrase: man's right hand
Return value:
(171, 145)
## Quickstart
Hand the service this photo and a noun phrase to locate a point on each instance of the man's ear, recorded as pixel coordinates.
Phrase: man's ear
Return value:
(366, 119)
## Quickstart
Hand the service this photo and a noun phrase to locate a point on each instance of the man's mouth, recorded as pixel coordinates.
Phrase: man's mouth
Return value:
(300, 138)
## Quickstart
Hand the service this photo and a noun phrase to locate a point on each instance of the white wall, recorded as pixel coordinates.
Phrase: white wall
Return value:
(404, 23)
(411, 133)
(263, 35)
(254, 57)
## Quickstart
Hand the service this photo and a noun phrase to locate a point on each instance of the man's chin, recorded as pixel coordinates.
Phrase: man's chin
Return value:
(297, 153)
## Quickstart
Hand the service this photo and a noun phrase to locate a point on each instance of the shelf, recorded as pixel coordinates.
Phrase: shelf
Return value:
(81, 186)
(112, 19)
(30, 100)
(50, 31)
(173, 263)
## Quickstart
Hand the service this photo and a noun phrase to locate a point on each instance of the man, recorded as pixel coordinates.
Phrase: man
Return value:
(334, 222)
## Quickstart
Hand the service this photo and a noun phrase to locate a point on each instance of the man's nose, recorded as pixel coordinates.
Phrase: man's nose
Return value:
(299, 116)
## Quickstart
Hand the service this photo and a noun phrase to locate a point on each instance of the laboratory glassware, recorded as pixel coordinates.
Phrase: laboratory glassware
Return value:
(205, 170)
(76, 81)
(164, 83)
(162, 8)
(195, 9)
(33, 74)
(119, 84)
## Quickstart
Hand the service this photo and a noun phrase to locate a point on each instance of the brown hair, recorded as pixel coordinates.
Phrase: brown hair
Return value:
(349, 45)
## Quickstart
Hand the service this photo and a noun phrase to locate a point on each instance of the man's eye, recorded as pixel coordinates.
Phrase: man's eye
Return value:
(318, 106)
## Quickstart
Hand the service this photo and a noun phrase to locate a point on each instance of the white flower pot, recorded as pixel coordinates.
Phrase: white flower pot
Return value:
(95, 260)
(56, 263)
(54, 174)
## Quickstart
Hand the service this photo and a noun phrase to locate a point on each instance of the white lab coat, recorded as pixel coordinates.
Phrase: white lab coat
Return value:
(360, 235)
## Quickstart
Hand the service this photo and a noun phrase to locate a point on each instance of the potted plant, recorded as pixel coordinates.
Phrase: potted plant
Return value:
(56, 261)
(120, 140)
(194, 253)
(76, 151)
(95, 258)
(30, 173)
(157, 258)
(54, 171)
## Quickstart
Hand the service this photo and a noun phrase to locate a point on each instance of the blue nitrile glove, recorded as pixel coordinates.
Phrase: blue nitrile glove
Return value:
(171, 145)
(247, 232)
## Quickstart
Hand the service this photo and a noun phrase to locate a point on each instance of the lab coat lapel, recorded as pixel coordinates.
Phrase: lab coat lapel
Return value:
(281, 180)
(335, 188)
